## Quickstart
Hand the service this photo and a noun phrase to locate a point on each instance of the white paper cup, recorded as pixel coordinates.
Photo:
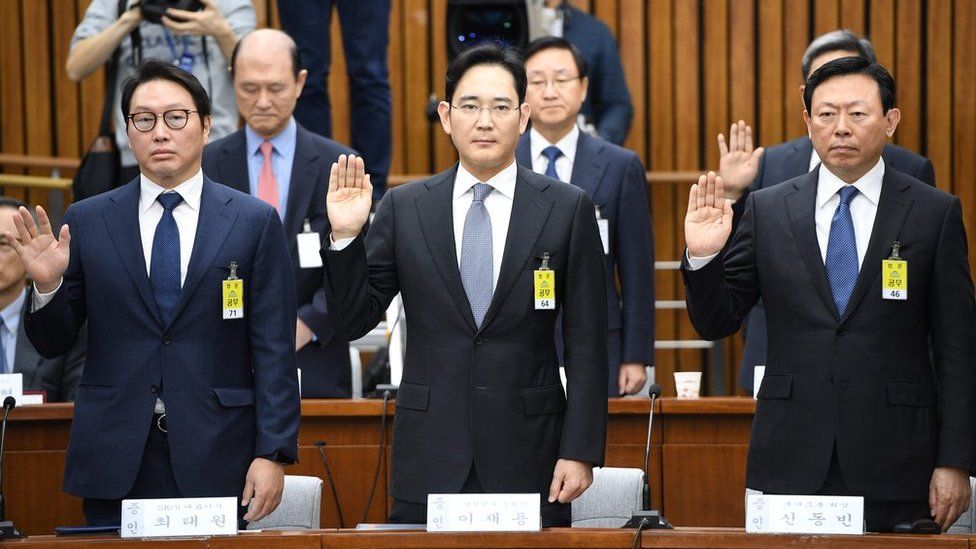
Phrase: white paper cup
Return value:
(687, 384)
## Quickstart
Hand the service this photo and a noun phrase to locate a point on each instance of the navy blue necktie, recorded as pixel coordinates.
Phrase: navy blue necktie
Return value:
(552, 153)
(841, 262)
(164, 267)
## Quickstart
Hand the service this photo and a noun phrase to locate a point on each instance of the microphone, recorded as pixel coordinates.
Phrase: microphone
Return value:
(7, 530)
(648, 518)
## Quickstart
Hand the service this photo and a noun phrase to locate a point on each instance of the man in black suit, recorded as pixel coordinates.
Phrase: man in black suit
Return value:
(613, 178)
(744, 169)
(268, 80)
(475, 251)
(869, 382)
(57, 377)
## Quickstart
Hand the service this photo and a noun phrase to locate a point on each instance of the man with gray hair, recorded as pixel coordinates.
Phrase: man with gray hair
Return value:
(745, 169)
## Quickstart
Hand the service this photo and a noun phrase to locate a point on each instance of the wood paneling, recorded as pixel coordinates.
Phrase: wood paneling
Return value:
(692, 67)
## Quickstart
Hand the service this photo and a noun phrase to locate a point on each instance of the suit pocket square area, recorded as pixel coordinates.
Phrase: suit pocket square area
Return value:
(234, 397)
(775, 386)
(910, 393)
(548, 399)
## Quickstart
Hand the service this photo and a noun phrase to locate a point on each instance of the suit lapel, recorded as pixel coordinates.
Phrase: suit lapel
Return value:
(530, 211)
(215, 221)
(801, 207)
(122, 221)
(305, 172)
(233, 164)
(893, 208)
(435, 210)
(589, 164)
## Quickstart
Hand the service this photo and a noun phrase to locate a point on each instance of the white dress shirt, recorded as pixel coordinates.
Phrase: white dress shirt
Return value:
(499, 206)
(564, 164)
(864, 208)
(186, 214)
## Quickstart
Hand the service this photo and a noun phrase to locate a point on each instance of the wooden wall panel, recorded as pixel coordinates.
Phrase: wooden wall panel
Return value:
(692, 67)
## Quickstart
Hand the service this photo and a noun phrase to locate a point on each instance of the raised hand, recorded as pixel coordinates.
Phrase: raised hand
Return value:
(739, 162)
(350, 197)
(45, 257)
(708, 222)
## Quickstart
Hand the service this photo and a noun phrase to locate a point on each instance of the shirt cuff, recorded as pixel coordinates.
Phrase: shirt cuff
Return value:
(39, 299)
(695, 263)
(339, 245)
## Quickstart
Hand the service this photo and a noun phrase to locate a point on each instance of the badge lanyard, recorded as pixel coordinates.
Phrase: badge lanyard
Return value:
(184, 60)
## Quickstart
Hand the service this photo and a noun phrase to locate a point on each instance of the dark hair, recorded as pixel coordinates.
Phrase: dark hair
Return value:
(490, 53)
(838, 40)
(154, 69)
(557, 43)
(8, 202)
(296, 58)
(853, 65)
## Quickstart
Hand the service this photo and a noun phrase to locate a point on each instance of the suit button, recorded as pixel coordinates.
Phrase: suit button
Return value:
(479, 341)
(154, 389)
(842, 331)
(166, 340)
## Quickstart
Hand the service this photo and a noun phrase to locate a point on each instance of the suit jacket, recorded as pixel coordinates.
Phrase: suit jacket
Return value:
(863, 381)
(490, 396)
(613, 178)
(325, 361)
(608, 101)
(784, 162)
(58, 377)
(230, 386)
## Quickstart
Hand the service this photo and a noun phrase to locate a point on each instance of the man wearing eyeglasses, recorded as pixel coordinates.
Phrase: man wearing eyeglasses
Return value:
(475, 252)
(190, 386)
(613, 178)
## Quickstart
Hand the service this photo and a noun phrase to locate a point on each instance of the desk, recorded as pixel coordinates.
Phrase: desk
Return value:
(701, 444)
(555, 538)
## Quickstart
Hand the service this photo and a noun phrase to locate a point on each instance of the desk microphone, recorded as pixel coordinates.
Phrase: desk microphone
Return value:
(648, 518)
(7, 530)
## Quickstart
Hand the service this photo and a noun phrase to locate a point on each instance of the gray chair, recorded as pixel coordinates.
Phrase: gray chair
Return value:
(964, 524)
(300, 509)
(612, 499)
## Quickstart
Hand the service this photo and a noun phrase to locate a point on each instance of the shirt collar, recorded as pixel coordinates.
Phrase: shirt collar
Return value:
(567, 144)
(11, 313)
(503, 182)
(190, 190)
(283, 143)
(868, 185)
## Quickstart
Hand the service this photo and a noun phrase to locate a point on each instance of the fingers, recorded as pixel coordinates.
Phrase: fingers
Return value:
(757, 154)
(700, 194)
(64, 238)
(723, 149)
(573, 487)
(11, 239)
(710, 187)
(343, 176)
(248, 492)
(360, 172)
(367, 185)
(556, 486)
(23, 236)
(29, 220)
(748, 132)
(734, 137)
(693, 197)
(45, 221)
(719, 194)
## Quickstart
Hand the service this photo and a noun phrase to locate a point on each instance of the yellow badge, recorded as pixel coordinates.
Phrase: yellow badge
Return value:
(545, 285)
(894, 276)
(233, 294)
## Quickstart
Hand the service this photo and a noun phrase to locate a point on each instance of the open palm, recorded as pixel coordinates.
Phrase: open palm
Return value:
(350, 197)
(738, 161)
(45, 257)
(708, 222)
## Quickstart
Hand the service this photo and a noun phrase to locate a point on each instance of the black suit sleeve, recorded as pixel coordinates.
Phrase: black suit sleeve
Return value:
(585, 341)
(720, 295)
(953, 320)
(361, 280)
(926, 172)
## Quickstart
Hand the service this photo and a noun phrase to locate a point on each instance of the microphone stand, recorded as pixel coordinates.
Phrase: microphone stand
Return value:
(7, 528)
(648, 519)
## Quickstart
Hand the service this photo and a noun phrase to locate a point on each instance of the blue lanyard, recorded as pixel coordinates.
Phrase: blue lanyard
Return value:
(185, 60)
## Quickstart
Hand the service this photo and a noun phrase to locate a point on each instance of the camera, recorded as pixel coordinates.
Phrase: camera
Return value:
(154, 10)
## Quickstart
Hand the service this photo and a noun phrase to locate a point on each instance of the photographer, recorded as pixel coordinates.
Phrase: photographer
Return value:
(198, 40)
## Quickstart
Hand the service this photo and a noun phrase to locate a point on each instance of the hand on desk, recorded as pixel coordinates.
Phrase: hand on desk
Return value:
(264, 485)
(569, 480)
(948, 495)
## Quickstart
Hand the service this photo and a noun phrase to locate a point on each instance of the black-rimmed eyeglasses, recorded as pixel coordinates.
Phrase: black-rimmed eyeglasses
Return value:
(175, 119)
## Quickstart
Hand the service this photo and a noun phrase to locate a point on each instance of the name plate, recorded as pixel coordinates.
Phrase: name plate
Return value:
(157, 518)
(11, 385)
(779, 514)
(483, 513)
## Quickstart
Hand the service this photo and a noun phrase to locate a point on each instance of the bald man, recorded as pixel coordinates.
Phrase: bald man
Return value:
(277, 160)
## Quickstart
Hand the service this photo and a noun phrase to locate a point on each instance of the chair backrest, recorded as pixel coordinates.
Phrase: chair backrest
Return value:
(300, 509)
(964, 524)
(612, 499)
